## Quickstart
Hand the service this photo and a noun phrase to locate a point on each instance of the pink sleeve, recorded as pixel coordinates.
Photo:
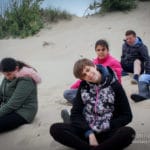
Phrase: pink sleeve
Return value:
(29, 72)
(116, 66)
(95, 61)
(76, 84)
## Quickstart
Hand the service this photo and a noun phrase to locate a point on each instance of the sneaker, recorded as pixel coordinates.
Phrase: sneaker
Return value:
(65, 116)
(134, 81)
(137, 98)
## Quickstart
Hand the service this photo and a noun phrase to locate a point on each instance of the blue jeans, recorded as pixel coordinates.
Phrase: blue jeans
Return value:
(70, 94)
(143, 86)
(145, 78)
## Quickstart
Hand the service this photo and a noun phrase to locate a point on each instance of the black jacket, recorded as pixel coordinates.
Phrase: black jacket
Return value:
(122, 114)
(137, 51)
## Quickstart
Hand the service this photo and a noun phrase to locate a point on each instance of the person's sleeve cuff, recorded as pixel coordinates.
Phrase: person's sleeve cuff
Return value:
(87, 133)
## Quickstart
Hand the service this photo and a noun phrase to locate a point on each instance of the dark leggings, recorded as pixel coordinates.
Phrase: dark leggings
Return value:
(10, 122)
(72, 137)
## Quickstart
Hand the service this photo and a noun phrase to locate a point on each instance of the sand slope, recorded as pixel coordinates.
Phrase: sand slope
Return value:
(53, 52)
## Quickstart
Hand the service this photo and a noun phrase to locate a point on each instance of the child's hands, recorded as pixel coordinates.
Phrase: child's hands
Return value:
(93, 140)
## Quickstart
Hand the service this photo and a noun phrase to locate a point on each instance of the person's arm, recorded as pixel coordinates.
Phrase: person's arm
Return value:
(1, 95)
(116, 67)
(77, 118)
(23, 89)
(122, 114)
(145, 55)
(76, 84)
(123, 52)
(92, 140)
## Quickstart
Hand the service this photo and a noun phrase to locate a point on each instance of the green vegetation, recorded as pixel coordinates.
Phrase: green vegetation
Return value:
(21, 19)
(53, 15)
(24, 18)
(114, 5)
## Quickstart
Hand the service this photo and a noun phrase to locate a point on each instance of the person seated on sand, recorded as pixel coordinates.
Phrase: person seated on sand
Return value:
(134, 56)
(104, 58)
(18, 94)
(99, 114)
(143, 86)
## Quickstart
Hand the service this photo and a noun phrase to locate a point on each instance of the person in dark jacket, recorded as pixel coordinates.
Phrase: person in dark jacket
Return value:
(135, 58)
(18, 96)
(99, 114)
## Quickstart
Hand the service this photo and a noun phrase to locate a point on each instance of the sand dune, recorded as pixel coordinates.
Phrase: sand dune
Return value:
(53, 52)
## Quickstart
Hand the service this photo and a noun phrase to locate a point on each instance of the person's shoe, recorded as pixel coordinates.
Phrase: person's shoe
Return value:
(135, 79)
(137, 98)
(65, 116)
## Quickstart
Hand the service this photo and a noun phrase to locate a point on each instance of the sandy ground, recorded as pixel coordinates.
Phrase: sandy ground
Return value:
(53, 52)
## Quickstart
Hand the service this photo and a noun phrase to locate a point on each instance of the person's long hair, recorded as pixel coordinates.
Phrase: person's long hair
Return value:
(22, 64)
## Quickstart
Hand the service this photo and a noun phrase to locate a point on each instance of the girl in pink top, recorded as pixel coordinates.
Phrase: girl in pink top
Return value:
(103, 58)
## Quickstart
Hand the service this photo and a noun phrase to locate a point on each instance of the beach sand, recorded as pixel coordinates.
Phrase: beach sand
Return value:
(53, 52)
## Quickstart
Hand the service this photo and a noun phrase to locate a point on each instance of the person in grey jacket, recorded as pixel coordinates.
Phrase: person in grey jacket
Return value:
(135, 58)
(18, 97)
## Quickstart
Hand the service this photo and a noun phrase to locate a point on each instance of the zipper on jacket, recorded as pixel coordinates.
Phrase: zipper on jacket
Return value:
(95, 109)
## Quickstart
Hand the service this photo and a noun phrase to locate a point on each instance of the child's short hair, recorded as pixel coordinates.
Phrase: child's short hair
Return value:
(130, 32)
(80, 65)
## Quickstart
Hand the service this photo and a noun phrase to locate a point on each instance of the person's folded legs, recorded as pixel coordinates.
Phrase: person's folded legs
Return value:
(122, 138)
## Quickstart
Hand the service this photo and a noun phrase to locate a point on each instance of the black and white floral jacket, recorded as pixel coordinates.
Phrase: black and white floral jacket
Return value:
(101, 107)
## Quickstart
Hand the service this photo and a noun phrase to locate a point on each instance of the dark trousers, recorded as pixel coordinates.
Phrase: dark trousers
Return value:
(74, 138)
(130, 67)
(10, 122)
